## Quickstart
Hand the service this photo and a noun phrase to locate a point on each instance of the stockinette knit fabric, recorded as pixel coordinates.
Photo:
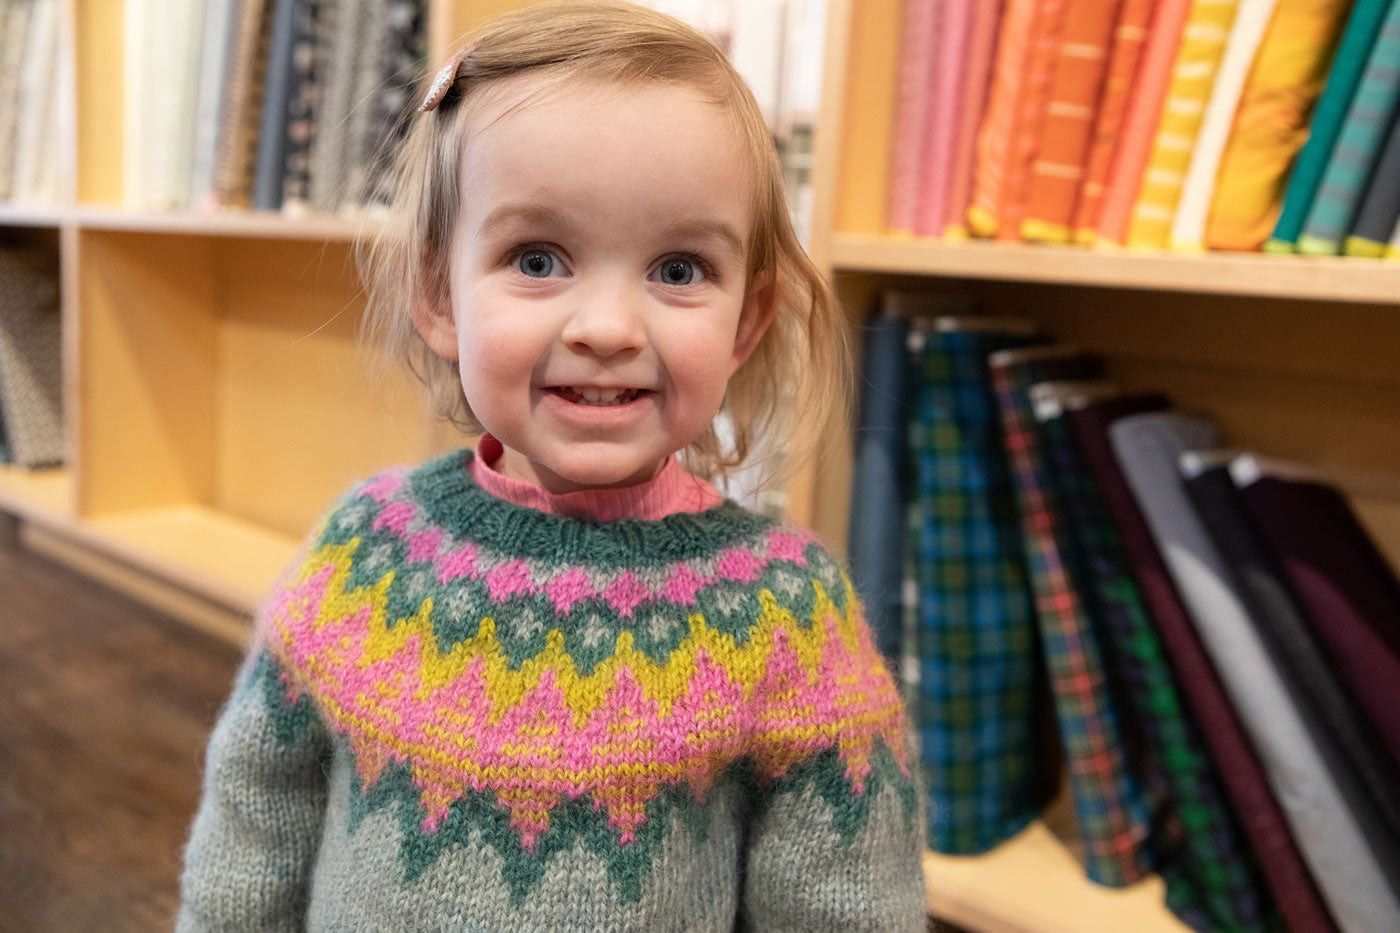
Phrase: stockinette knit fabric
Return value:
(458, 713)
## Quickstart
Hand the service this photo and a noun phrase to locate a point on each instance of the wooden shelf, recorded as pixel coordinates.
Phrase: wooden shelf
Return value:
(30, 215)
(1329, 278)
(263, 224)
(1033, 882)
(43, 496)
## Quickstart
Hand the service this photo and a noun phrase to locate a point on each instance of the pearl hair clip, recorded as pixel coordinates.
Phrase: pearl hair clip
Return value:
(442, 83)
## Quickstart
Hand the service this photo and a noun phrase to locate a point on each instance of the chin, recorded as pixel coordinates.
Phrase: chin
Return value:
(607, 474)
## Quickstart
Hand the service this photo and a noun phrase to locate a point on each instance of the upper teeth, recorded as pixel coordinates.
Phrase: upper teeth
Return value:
(602, 396)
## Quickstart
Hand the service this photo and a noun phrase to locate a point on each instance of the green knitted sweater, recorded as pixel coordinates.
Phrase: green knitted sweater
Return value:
(458, 713)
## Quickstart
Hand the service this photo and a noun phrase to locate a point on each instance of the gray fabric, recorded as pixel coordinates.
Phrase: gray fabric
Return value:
(1330, 836)
(31, 359)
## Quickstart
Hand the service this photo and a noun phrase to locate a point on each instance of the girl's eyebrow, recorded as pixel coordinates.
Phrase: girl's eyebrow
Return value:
(528, 214)
(544, 216)
(705, 229)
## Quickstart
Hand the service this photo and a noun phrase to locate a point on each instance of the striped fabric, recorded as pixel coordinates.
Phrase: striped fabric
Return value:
(997, 135)
(1147, 93)
(1272, 121)
(1202, 46)
(1347, 66)
(976, 640)
(1188, 229)
(1212, 876)
(977, 72)
(1380, 209)
(1114, 816)
(1058, 169)
(1035, 98)
(912, 100)
(1353, 162)
(946, 112)
(1125, 52)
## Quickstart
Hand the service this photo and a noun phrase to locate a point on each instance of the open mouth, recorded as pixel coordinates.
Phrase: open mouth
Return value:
(599, 398)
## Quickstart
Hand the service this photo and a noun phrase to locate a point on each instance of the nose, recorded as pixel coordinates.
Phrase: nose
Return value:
(606, 319)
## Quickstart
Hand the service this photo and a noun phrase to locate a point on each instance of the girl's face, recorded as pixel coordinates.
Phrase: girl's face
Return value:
(598, 288)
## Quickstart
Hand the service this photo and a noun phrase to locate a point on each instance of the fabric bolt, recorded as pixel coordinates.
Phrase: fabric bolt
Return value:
(402, 57)
(303, 104)
(1380, 208)
(983, 29)
(1343, 583)
(1188, 229)
(458, 712)
(1241, 772)
(1127, 44)
(367, 80)
(340, 46)
(1148, 94)
(1352, 164)
(975, 704)
(1114, 815)
(1329, 821)
(1295, 651)
(1213, 879)
(267, 177)
(913, 111)
(1272, 121)
(997, 135)
(1346, 67)
(238, 129)
(1392, 250)
(954, 19)
(876, 539)
(1035, 97)
(1065, 133)
(1203, 41)
(31, 356)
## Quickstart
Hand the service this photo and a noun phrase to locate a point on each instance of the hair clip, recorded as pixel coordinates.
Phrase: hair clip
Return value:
(445, 77)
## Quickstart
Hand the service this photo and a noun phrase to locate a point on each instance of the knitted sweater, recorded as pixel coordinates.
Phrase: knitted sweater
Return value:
(458, 713)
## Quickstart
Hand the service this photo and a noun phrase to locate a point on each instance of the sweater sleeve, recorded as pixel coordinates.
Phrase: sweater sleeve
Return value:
(248, 862)
(835, 842)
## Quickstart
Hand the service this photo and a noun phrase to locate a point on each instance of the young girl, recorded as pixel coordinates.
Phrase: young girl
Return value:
(558, 683)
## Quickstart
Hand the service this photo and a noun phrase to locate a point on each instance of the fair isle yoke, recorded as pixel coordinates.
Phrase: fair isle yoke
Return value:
(539, 685)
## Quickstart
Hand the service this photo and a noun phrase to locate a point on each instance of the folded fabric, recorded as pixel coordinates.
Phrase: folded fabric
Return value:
(983, 28)
(1197, 61)
(1343, 583)
(912, 109)
(1039, 74)
(1213, 879)
(1272, 121)
(1114, 816)
(1246, 34)
(31, 352)
(1126, 45)
(1058, 167)
(996, 138)
(1289, 878)
(1329, 822)
(945, 114)
(1149, 91)
(980, 732)
(1353, 162)
(1295, 652)
(1363, 25)
(877, 488)
(1380, 208)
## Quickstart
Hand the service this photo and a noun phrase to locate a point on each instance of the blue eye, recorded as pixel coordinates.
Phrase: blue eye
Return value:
(677, 270)
(536, 263)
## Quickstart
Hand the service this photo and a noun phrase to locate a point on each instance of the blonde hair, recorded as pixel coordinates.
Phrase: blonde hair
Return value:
(798, 376)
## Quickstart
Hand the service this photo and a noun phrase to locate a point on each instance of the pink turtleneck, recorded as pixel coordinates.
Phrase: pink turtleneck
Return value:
(670, 491)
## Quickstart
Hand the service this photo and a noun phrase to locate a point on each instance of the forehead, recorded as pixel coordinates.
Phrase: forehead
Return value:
(608, 149)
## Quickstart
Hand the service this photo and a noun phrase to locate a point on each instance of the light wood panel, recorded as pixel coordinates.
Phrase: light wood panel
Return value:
(147, 334)
(98, 85)
(37, 495)
(229, 223)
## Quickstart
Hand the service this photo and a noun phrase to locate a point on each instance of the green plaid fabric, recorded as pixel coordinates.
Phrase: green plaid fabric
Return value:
(977, 654)
(1115, 815)
(1212, 876)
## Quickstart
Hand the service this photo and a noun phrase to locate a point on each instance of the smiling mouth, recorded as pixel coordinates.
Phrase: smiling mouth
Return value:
(600, 398)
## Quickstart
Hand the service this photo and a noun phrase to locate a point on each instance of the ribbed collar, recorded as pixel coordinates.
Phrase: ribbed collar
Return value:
(670, 492)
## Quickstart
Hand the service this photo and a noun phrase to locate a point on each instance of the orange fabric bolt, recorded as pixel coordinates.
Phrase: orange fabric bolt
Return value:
(1272, 121)
(1058, 168)
(1035, 97)
(1129, 41)
(998, 131)
(1140, 123)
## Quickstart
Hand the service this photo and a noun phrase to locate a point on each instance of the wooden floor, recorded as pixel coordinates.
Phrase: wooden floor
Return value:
(105, 707)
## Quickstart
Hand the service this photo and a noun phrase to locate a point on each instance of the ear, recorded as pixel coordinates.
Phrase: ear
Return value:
(437, 326)
(760, 305)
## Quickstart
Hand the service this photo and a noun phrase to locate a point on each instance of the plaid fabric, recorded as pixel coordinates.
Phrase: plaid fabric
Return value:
(1212, 875)
(1114, 817)
(976, 641)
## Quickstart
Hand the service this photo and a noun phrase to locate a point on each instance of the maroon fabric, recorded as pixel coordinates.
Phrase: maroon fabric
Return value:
(1288, 878)
(1346, 588)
